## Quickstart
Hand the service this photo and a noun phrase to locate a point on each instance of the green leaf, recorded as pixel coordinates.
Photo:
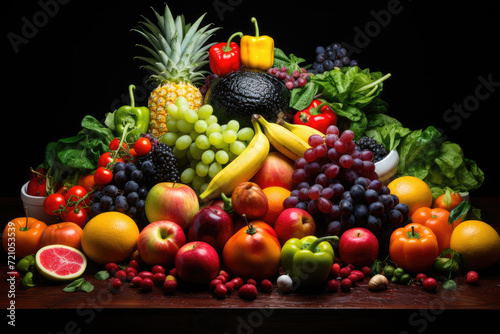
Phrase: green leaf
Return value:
(290, 62)
(459, 212)
(87, 287)
(74, 286)
(102, 275)
(450, 285)
(376, 267)
(301, 98)
(79, 284)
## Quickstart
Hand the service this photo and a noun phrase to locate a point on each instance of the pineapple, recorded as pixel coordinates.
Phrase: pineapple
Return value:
(178, 52)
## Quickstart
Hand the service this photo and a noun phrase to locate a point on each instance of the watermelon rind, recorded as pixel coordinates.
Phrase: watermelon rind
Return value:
(52, 276)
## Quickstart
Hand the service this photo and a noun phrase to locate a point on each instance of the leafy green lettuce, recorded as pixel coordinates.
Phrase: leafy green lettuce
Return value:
(351, 92)
(424, 154)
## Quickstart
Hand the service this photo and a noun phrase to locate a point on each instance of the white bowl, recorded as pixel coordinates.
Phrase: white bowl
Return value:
(387, 167)
(35, 206)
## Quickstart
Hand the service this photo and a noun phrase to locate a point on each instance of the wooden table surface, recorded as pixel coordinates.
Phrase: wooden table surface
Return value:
(400, 309)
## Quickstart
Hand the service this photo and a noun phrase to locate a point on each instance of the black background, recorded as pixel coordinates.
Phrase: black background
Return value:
(79, 60)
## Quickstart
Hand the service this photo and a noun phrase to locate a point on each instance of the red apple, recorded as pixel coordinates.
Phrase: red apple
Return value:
(197, 262)
(358, 246)
(276, 170)
(176, 202)
(294, 223)
(159, 241)
(212, 225)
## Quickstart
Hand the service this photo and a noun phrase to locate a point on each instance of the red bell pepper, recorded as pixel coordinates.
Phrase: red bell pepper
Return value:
(319, 118)
(224, 57)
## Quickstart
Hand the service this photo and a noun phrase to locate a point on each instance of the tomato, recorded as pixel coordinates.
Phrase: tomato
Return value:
(75, 193)
(53, 203)
(253, 252)
(437, 220)
(448, 201)
(75, 215)
(22, 235)
(113, 146)
(87, 181)
(107, 158)
(66, 233)
(248, 199)
(413, 247)
(142, 146)
(103, 176)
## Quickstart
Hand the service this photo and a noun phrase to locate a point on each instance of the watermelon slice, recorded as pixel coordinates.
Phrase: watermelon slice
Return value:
(60, 262)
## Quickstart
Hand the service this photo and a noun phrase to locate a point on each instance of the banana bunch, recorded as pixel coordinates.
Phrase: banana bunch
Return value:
(289, 139)
(302, 131)
(241, 169)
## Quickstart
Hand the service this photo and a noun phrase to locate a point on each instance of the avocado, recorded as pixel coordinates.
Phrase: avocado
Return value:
(241, 94)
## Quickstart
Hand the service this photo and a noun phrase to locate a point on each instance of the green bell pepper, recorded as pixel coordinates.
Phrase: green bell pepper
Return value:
(131, 119)
(309, 260)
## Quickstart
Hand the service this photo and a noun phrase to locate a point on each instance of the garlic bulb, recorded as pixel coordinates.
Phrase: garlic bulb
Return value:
(284, 283)
(378, 282)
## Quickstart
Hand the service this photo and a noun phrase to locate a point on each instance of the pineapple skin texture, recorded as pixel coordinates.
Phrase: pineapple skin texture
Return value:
(165, 94)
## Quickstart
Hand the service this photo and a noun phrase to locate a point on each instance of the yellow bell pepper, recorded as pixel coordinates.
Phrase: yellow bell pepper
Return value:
(257, 52)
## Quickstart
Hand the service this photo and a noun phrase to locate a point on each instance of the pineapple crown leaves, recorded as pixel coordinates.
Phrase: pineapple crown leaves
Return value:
(178, 50)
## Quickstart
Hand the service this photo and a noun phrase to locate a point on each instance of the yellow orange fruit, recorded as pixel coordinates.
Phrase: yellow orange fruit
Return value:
(275, 196)
(109, 237)
(478, 242)
(411, 191)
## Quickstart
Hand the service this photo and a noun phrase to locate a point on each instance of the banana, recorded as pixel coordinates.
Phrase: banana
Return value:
(241, 169)
(302, 131)
(283, 140)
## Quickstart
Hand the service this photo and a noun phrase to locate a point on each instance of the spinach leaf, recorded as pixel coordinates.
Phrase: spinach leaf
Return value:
(419, 151)
(69, 157)
(290, 62)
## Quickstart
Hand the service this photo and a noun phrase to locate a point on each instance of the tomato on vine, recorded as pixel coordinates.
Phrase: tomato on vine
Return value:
(75, 215)
(103, 176)
(107, 158)
(74, 193)
(113, 146)
(142, 146)
(53, 203)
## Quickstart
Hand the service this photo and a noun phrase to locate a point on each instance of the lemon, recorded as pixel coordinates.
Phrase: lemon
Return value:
(478, 242)
(109, 237)
(411, 191)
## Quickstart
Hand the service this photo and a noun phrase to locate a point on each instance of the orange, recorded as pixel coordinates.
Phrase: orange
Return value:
(275, 197)
(478, 242)
(411, 191)
(109, 237)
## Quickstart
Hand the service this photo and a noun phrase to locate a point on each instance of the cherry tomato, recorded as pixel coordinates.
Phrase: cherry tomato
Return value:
(103, 176)
(113, 146)
(106, 158)
(75, 215)
(87, 181)
(74, 193)
(54, 202)
(142, 146)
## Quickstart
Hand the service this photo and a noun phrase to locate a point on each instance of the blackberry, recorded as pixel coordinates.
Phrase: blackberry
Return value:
(367, 143)
(159, 165)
